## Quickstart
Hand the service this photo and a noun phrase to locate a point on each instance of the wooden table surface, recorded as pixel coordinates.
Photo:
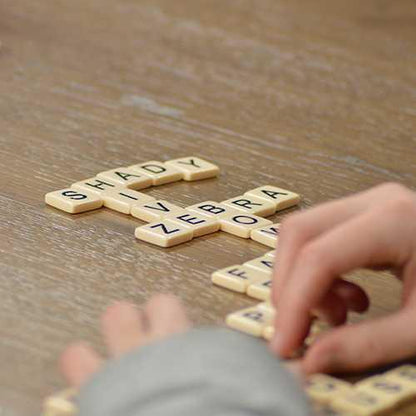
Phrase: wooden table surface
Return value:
(318, 97)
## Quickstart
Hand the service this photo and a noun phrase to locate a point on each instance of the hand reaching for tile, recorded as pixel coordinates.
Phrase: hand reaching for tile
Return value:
(374, 229)
(125, 328)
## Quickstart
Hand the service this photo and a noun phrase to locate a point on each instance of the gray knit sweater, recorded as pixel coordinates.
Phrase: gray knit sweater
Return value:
(205, 372)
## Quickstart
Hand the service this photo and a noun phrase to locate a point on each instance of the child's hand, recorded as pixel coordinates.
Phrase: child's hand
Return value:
(375, 229)
(125, 328)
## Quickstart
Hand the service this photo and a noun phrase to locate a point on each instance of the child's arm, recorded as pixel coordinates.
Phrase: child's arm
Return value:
(162, 368)
(375, 229)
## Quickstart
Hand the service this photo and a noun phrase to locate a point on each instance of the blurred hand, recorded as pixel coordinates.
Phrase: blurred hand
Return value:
(124, 329)
(375, 229)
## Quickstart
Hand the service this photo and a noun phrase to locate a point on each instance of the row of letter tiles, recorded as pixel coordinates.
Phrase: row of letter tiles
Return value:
(372, 396)
(255, 321)
(253, 277)
(90, 194)
(177, 229)
(231, 220)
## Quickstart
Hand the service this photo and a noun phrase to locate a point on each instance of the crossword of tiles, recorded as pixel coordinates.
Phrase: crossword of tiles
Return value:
(169, 224)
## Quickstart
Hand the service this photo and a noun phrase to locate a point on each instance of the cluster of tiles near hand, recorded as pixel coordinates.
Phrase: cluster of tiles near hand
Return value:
(330, 396)
(170, 224)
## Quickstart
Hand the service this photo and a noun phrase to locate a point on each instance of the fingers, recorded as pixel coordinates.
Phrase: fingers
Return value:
(303, 227)
(126, 328)
(166, 316)
(360, 346)
(78, 363)
(357, 243)
(123, 328)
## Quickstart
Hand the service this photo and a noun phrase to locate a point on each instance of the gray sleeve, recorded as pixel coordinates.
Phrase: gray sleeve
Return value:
(205, 372)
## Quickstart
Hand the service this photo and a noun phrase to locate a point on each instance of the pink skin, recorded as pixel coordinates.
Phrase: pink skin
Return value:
(126, 328)
(375, 229)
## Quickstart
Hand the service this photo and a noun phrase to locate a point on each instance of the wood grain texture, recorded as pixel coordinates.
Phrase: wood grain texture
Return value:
(318, 97)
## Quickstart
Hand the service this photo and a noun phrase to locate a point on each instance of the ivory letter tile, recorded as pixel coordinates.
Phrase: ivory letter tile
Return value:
(61, 404)
(251, 205)
(250, 320)
(241, 224)
(122, 200)
(323, 388)
(280, 197)
(164, 233)
(199, 224)
(155, 210)
(72, 201)
(127, 178)
(268, 333)
(404, 374)
(267, 308)
(211, 209)
(194, 168)
(262, 265)
(396, 391)
(361, 403)
(236, 278)
(268, 236)
(96, 185)
(261, 290)
(159, 172)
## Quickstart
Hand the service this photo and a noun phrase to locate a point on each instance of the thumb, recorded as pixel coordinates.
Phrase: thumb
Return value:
(359, 346)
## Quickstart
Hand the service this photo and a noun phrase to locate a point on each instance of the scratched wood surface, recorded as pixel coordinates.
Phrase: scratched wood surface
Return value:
(318, 97)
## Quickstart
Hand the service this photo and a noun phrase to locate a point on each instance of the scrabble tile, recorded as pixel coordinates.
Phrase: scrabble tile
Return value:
(155, 210)
(95, 185)
(271, 254)
(241, 224)
(260, 290)
(268, 332)
(127, 178)
(122, 200)
(61, 404)
(236, 278)
(199, 224)
(267, 235)
(251, 205)
(360, 403)
(262, 265)
(72, 201)
(323, 388)
(280, 197)
(267, 308)
(194, 168)
(210, 209)
(159, 172)
(397, 391)
(405, 374)
(164, 233)
(250, 320)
